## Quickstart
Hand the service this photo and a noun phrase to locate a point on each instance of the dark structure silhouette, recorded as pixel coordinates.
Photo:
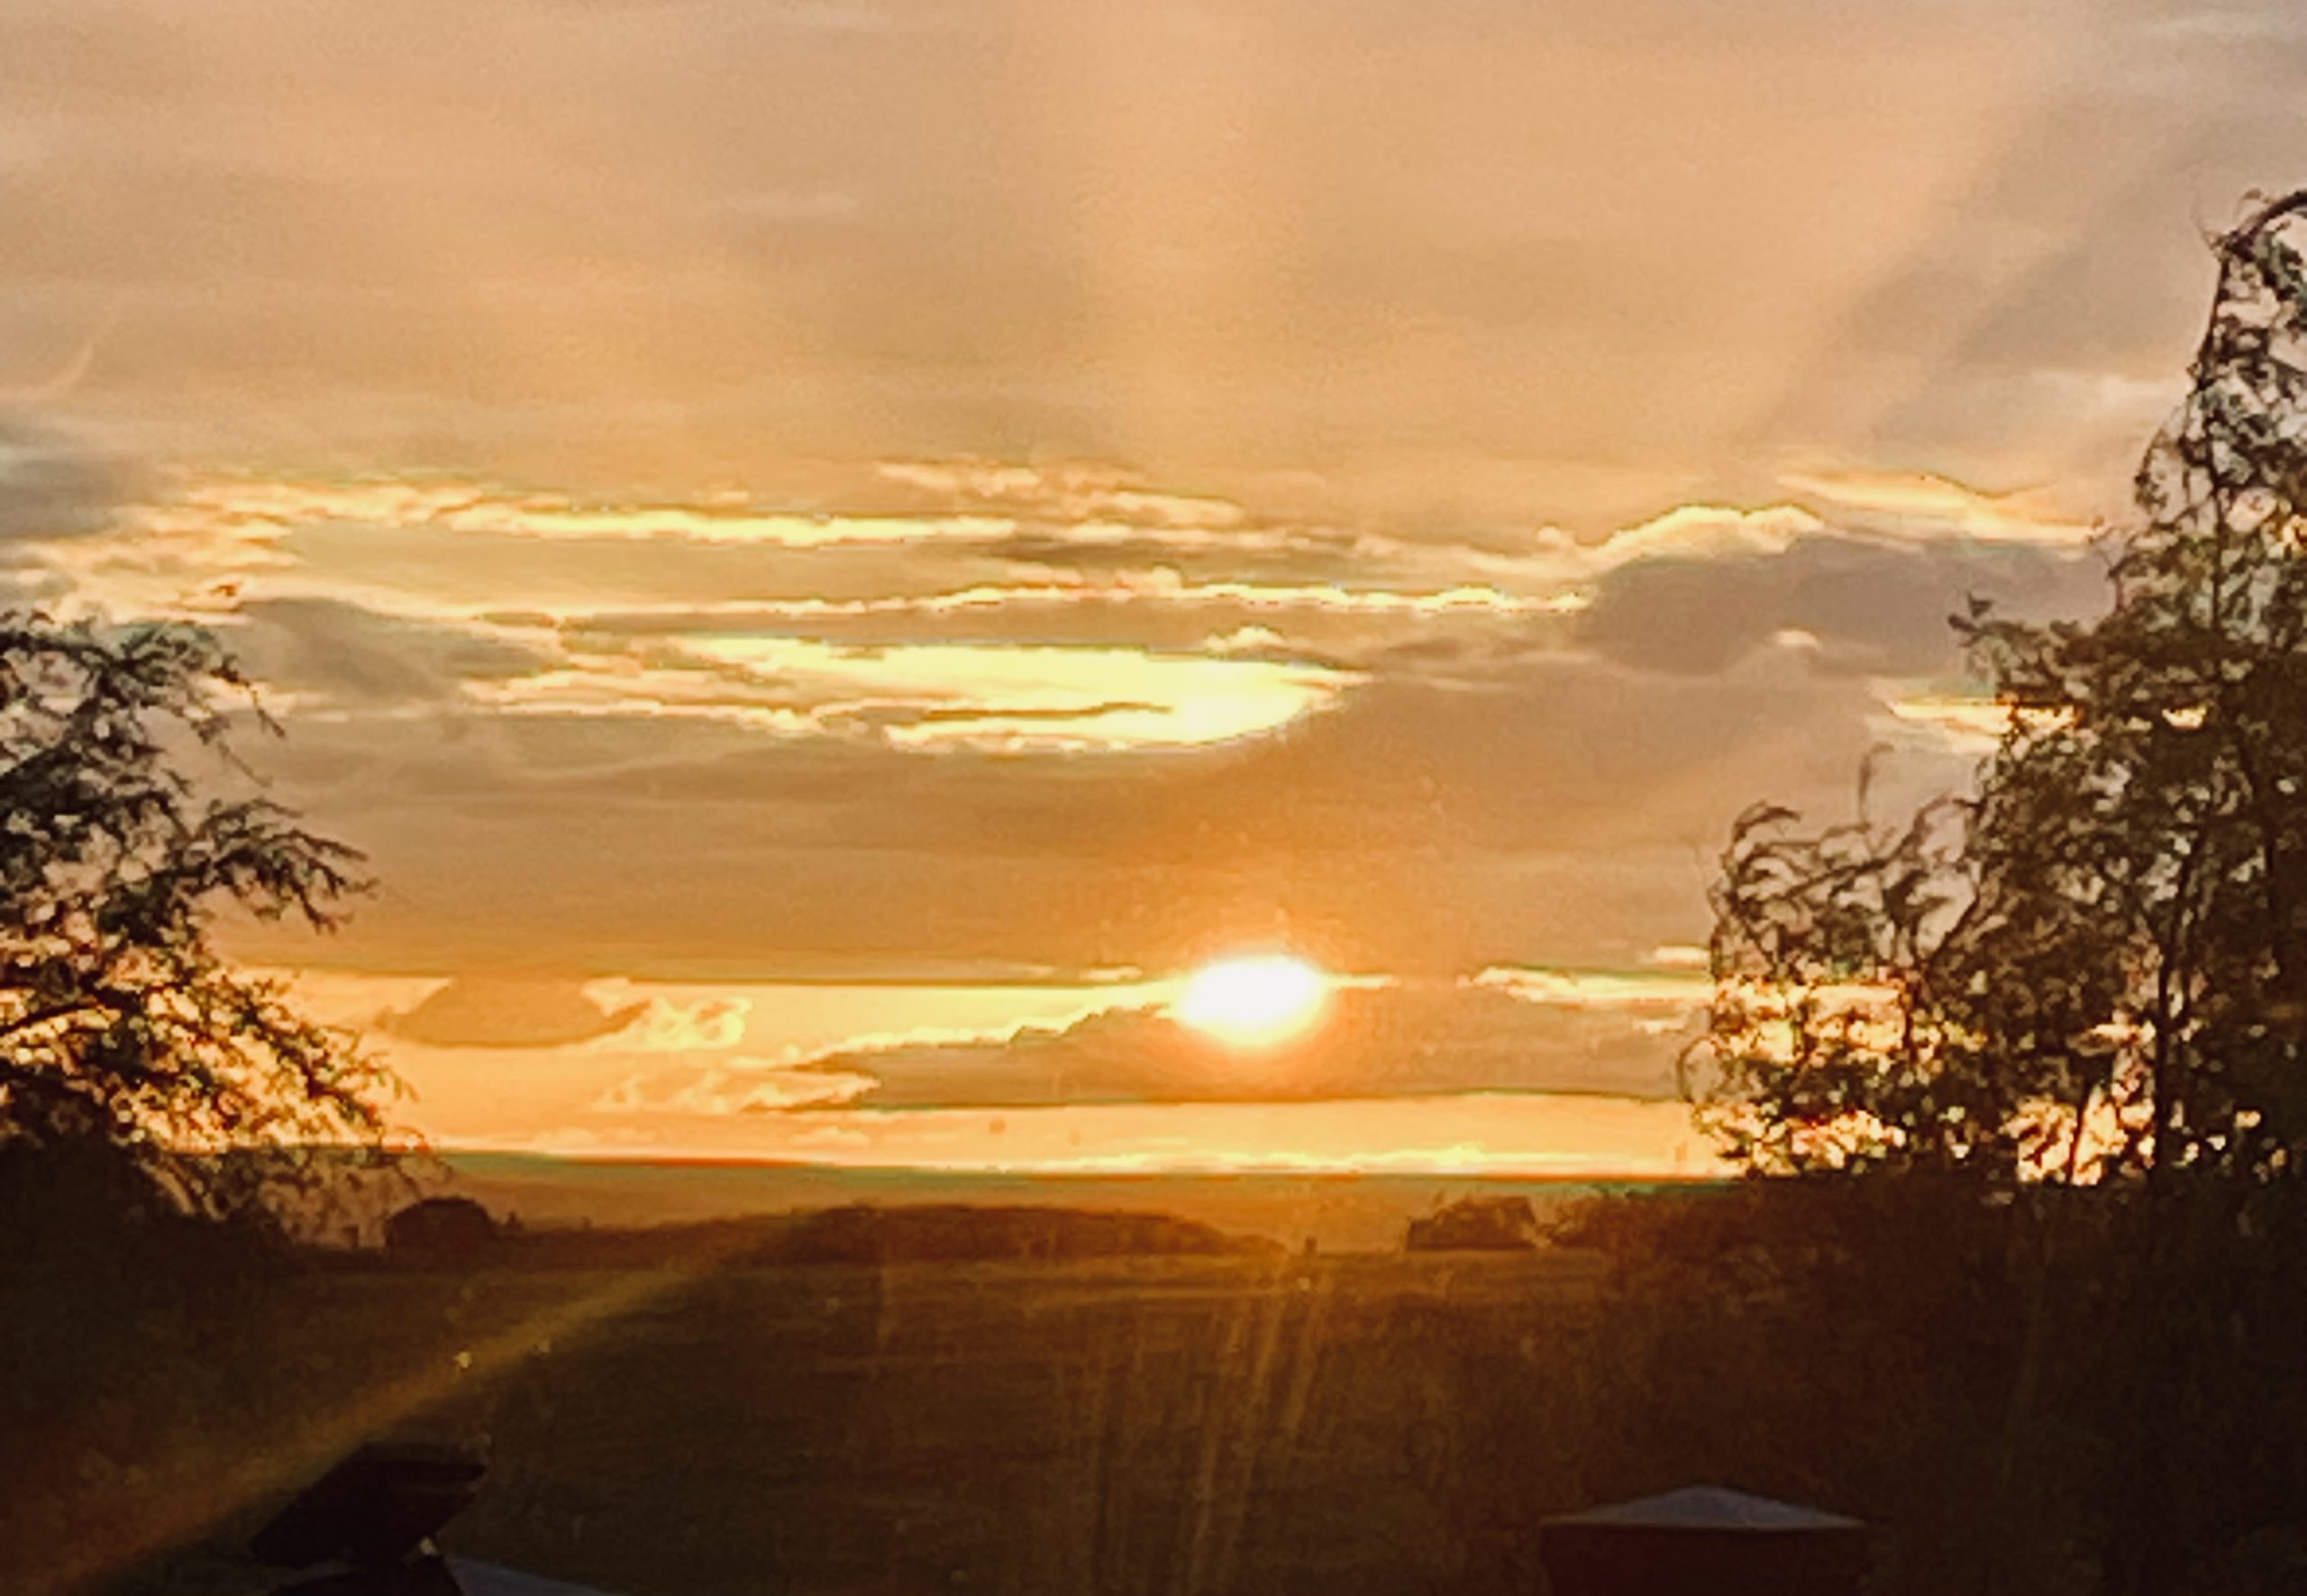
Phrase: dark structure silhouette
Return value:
(366, 1527)
(375, 1515)
(1703, 1541)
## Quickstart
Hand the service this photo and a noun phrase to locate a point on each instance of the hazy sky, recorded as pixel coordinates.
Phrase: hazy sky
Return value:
(830, 551)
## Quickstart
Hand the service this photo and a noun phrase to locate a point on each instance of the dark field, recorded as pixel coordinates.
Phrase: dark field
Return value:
(700, 1422)
(1184, 1425)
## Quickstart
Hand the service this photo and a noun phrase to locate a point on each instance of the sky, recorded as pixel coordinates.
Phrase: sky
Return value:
(833, 552)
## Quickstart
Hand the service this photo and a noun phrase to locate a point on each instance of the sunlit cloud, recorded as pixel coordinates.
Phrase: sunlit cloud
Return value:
(1160, 585)
(268, 507)
(470, 553)
(1918, 505)
(1086, 506)
(1707, 531)
(1080, 490)
(1967, 724)
(739, 1086)
(237, 520)
(662, 1024)
(928, 696)
(1666, 988)
(1376, 1036)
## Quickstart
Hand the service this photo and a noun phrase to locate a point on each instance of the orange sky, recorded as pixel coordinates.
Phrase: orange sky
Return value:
(831, 551)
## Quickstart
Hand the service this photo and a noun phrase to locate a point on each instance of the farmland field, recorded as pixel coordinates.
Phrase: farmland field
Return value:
(1179, 1424)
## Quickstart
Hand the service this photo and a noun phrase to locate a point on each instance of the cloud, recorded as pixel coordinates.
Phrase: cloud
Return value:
(1972, 724)
(1697, 531)
(1048, 547)
(567, 287)
(1155, 586)
(1084, 505)
(735, 758)
(330, 655)
(488, 1011)
(738, 1086)
(53, 487)
(668, 1024)
(464, 555)
(1850, 606)
(1073, 490)
(62, 501)
(1650, 991)
(1006, 697)
(451, 554)
(486, 509)
(1494, 810)
(1541, 1033)
(1917, 504)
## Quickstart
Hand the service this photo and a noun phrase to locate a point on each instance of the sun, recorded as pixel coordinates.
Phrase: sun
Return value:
(1253, 1002)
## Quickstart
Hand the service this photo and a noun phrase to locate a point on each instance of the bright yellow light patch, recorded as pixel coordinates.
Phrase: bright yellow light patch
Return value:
(1253, 1002)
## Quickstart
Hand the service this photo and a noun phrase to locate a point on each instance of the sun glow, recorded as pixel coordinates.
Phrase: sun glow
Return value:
(1255, 1001)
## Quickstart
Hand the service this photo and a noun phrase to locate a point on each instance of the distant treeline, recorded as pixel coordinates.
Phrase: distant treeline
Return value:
(456, 1231)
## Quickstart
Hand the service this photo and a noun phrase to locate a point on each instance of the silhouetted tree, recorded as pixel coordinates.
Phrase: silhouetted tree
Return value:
(2098, 962)
(1475, 1224)
(451, 1229)
(2091, 972)
(127, 1042)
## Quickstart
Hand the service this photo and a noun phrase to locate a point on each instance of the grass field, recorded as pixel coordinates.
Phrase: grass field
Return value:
(1174, 1425)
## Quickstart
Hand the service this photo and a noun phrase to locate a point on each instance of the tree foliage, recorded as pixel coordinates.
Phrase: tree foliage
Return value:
(1475, 1224)
(2095, 965)
(127, 1038)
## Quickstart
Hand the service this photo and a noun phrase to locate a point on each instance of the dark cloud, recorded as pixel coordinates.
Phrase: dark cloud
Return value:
(53, 486)
(1863, 606)
(480, 1011)
(347, 656)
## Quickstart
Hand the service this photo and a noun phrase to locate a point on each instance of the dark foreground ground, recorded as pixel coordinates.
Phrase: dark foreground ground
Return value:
(1192, 1425)
(726, 1408)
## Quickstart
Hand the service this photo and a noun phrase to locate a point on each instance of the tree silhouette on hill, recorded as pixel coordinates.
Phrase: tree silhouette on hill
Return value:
(131, 1049)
